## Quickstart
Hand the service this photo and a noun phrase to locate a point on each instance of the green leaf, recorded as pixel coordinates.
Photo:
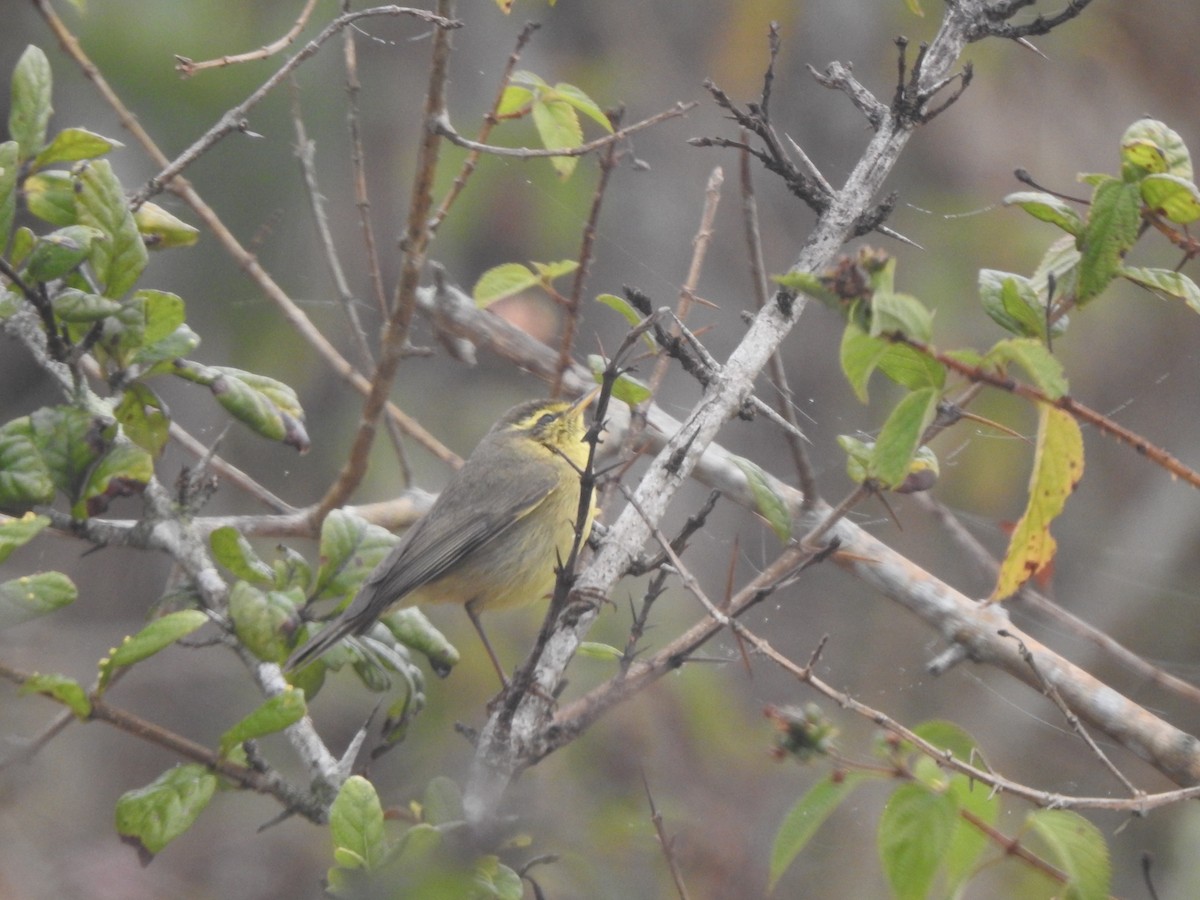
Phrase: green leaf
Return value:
(31, 596)
(100, 202)
(1057, 468)
(156, 636)
(16, 533)
(858, 457)
(9, 172)
(1141, 157)
(350, 549)
(1112, 228)
(231, 549)
(910, 367)
(411, 628)
(1165, 281)
(1078, 848)
(949, 736)
(153, 816)
(30, 111)
(805, 817)
(22, 243)
(51, 197)
(603, 652)
(1173, 149)
(276, 714)
(74, 306)
(356, 824)
(1060, 261)
(547, 272)
(25, 478)
(1013, 303)
(442, 803)
(1172, 196)
(72, 145)
(267, 406)
(557, 125)
(1048, 208)
(496, 879)
(143, 418)
(814, 285)
(70, 440)
(900, 313)
(1043, 367)
(968, 843)
(583, 103)
(860, 355)
(163, 231)
(57, 253)
(901, 435)
(769, 504)
(10, 302)
(631, 315)
(915, 831)
(265, 621)
(67, 691)
(625, 388)
(505, 280)
(515, 100)
(124, 471)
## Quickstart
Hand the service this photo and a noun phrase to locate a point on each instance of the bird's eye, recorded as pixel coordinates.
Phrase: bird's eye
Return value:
(545, 419)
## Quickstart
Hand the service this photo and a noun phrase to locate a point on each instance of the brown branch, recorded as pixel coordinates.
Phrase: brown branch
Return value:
(1066, 403)
(306, 153)
(234, 119)
(263, 782)
(414, 246)
(188, 68)
(608, 162)
(489, 122)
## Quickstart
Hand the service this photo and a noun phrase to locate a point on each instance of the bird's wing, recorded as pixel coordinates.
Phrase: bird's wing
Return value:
(432, 549)
(438, 542)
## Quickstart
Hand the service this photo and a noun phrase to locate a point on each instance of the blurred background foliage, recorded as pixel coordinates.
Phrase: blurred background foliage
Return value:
(1128, 559)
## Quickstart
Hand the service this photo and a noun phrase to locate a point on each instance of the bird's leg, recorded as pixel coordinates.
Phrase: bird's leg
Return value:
(474, 616)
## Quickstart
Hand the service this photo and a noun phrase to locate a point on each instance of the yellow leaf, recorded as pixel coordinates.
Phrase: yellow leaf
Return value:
(505, 6)
(1057, 468)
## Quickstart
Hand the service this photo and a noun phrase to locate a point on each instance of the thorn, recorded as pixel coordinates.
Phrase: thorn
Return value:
(883, 229)
(1024, 42)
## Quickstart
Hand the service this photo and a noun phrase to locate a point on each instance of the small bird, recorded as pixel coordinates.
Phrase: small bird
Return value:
(494, 536)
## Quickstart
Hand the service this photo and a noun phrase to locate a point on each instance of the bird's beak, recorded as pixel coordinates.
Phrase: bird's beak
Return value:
(580, 405)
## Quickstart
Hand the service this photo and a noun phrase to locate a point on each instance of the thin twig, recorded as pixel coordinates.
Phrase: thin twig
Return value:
(490, 121)
(443, 127)
(1066, 403)
(264, 782)
(188, 68)
(415, 245)
(1051, 691)
(362, 197)
(712, 196)
(665, 841)
(234, 119)
(306, 152)
(1038, 603)
(945, 758)
(805, 476)
(608, 162)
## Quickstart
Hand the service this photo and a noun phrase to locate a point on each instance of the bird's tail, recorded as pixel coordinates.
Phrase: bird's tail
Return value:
(341, 627)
